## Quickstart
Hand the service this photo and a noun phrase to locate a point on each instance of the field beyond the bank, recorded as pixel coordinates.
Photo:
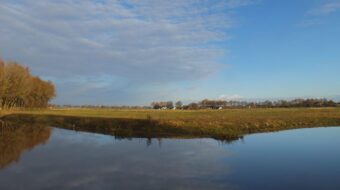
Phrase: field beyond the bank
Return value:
(228, 122)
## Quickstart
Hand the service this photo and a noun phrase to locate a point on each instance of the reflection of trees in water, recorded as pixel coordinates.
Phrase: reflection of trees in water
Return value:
(125, 128)
(14, 139)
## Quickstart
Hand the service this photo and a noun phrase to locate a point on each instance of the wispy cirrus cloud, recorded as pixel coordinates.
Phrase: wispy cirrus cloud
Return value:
(326, 8)
(139, 42)
(315, 16)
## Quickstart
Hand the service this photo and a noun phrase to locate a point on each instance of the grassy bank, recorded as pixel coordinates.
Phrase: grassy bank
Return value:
(221, 124)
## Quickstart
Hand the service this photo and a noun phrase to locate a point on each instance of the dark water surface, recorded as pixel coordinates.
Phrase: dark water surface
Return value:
(37, 157)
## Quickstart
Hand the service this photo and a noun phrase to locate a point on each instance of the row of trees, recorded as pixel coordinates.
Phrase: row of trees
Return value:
(166, 105)
(18, 88)
(298, 103)
(89, 106)
(220, 104)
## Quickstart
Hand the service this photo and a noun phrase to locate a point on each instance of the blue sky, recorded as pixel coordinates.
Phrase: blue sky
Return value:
(133, 52)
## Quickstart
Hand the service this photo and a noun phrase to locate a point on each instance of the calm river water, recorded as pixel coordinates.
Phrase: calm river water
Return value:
(34, 158)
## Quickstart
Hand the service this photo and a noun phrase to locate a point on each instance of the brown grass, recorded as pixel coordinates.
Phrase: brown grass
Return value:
(202, 123)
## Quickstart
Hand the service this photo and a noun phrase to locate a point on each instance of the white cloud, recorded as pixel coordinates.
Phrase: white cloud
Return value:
(230, 97)
(315, 15)
(141, 41)
(326, 8)
(310, 22)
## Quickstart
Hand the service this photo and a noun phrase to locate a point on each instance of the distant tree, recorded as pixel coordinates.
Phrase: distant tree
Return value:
(169, 105)
(331, 103)
(267, 104)
(193, 106)
(179, 104)
(155, 105)
(215, 104)
(159, 105)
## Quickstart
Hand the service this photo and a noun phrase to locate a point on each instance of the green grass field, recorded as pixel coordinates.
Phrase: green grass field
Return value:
(209, 123)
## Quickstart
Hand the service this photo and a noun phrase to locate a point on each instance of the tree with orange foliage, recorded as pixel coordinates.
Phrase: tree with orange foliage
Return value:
(18, 88)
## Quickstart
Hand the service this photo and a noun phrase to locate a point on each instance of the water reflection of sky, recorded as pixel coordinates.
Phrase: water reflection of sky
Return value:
(76, 160)
(295, 159)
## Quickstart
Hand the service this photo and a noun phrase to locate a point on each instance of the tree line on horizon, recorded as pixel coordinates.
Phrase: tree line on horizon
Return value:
(223, 104)
(217, 104)
(19, 88)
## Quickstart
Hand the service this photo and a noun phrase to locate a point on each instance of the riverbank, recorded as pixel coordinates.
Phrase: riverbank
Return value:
(219, 124)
